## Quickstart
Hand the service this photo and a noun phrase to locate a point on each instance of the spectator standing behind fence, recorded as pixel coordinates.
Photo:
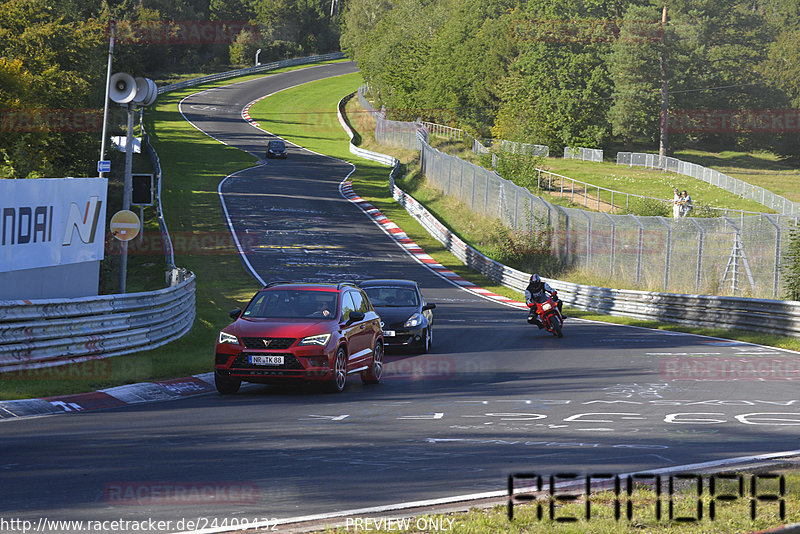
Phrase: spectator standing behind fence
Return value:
(686, 203)
(676, 203)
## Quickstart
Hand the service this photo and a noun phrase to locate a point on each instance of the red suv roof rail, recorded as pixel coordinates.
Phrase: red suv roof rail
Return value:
(277, 283)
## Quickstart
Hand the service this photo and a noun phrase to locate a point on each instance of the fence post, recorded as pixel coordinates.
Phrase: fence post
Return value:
(588, 239)
(613, 244)
(699, 253)
(449, 174)
(566, 232)
(639, 252)
(486, 204)
(776, 273)
(668, 252)
(461, 180)
(474, 177)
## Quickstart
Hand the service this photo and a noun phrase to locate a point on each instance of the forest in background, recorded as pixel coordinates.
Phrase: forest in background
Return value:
(581, 72)
(566, 73)
(53, 63)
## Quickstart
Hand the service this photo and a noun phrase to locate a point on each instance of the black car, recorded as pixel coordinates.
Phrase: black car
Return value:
(276, 149)
(406, 319)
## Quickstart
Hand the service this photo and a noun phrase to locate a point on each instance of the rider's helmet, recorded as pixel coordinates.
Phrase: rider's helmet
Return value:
(535, 278)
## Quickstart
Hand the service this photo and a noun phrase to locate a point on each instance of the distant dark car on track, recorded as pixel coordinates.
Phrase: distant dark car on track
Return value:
(301, 331)
(276, 149)
(406, 319)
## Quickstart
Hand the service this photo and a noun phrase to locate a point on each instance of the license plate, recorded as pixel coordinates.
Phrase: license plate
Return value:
(388, 333)
(260, 359)
(546, 307)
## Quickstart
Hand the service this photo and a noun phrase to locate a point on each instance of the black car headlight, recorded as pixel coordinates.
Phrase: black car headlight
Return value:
(414, 321)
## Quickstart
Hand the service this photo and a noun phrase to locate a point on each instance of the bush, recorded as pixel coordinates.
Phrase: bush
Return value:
(648, 207)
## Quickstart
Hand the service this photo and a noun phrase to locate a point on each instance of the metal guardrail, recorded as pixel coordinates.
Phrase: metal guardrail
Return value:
(251, 70)
(683, 255)
(360, 152)
(760, 315)
(440, 130)
(44, 333)
(723, 181)
(169, 251)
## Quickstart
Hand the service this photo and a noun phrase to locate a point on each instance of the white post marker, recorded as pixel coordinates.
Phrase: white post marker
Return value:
(125, 225)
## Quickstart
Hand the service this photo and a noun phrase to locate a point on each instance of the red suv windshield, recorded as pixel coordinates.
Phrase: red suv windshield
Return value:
(293, 304)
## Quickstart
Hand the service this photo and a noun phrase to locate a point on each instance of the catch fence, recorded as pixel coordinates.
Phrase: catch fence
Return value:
(722, 255)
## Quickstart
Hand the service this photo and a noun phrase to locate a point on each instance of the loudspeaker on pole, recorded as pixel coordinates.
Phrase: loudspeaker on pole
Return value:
(123, 88)
(146, 92)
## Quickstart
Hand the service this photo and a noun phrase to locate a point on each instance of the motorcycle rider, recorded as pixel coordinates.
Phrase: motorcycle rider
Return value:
(536, 290)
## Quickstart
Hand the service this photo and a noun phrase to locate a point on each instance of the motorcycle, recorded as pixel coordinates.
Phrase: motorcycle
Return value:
(549, 315)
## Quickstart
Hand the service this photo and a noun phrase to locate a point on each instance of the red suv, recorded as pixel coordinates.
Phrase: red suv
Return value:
(301, 331)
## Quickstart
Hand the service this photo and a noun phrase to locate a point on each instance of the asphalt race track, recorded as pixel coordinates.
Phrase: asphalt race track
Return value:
(494, 396)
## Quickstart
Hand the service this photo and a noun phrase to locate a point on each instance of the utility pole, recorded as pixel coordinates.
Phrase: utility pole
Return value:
(113, 26)
(126, 199)
(663, 146)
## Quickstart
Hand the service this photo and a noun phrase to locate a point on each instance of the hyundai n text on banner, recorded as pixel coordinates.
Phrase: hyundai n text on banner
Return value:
(48, 222)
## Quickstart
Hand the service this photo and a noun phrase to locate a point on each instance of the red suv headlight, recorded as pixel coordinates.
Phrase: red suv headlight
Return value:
(321, 340)
(225, 337)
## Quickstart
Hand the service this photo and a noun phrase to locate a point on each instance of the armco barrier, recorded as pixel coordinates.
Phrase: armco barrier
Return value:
(360, 152)
(251, 70)
(44, 333)
(760, 315)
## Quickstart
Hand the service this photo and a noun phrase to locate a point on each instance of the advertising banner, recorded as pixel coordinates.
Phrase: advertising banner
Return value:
(48, 222)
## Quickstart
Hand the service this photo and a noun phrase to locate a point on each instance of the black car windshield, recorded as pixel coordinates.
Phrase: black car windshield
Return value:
(392, 296)
(293, 304)
(277, 144)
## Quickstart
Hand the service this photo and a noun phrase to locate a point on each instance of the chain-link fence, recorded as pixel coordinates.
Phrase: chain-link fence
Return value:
(514, 147)
(723, 181)
(583, 154)
(688, 255)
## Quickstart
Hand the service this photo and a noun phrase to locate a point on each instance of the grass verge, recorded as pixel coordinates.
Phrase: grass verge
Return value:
(649, 183)
(677, 509)
(483, 234)
(193, 165)
(295, 112)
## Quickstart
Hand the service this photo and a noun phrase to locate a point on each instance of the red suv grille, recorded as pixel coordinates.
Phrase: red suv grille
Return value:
(276, 343)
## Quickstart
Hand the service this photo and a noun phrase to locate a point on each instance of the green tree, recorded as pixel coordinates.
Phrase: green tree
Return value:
(49, 62)
(468, 57)
(634, 68)
(782, 66)
(558, 88)
(360, 21)
(243, 49)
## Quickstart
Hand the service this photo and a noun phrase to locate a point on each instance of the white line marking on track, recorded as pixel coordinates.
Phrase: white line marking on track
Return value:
(468, 497)
(500, 494)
